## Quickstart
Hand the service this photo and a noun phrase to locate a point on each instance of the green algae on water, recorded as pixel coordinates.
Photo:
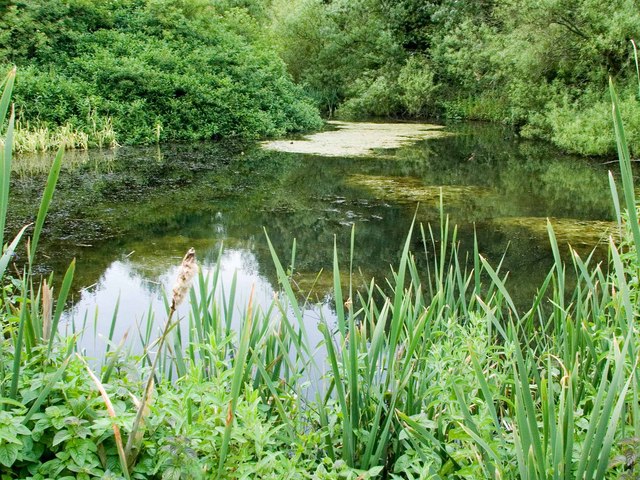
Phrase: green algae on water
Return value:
(411, 189)
(357, 139)
(568, 231)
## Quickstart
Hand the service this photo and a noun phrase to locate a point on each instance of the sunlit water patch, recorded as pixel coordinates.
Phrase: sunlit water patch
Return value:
(137, 296)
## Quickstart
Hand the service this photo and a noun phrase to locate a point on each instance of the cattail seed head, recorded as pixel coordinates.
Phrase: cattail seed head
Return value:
(47, 308)
(186, 274)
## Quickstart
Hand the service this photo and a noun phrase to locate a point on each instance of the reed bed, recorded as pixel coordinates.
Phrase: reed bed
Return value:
(38, 138)
(429, 374)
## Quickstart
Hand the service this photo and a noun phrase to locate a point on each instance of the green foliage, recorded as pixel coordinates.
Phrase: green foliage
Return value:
(416, 82)
(199, 70)
(410, 91)
(378, 97)
(538, 65)
(432, 374)
(582, 127)
(330, 45)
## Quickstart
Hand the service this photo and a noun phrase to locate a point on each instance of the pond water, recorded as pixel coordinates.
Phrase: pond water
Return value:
(129, 215)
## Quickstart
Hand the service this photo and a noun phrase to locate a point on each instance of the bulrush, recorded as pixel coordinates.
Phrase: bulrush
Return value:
(47, 304)
(186, 274)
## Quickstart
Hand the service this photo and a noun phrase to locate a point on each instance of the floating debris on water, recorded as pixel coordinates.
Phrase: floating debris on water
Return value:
(357, 139)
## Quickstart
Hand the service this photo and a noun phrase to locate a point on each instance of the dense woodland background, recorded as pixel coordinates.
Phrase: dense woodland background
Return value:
(202, 69)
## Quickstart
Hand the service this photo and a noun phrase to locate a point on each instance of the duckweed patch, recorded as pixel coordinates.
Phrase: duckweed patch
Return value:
(411, 190)
(358, 139)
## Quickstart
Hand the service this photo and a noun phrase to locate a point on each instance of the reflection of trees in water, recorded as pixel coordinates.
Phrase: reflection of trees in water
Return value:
(532, 177)
(159, 205)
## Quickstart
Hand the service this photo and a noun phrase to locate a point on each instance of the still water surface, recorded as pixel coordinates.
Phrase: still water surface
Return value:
(129, 215)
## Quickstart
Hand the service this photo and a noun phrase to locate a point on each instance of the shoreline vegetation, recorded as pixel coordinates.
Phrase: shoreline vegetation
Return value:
(429, 374)
(102, 73)
(541, 67)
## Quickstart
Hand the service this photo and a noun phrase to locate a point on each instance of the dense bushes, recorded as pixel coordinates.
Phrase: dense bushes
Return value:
(196, 69)
(539, 65)
(179, 69)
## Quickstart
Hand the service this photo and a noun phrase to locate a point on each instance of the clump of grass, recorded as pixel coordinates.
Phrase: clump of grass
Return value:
(31, 138)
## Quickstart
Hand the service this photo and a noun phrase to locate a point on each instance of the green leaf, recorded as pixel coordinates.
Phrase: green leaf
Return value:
(19, 428)
(50, 187)
(7, 255)
(626, 172)
(61, 436)
(5, 174)
(9, 454)
(60, 304)
(79, 451)
(9, 401)
(6, 95)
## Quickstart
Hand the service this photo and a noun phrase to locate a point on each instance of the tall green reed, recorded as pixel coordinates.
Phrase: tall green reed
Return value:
(30, 327)
(436, 363)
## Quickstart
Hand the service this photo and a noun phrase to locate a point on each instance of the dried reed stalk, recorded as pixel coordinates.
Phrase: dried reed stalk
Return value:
(186, 274)
(184, 280)
(47, 307)
(112, 413)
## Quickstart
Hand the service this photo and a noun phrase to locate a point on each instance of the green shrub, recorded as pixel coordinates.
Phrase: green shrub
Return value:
(378, 97)
(416, 82)
(197, 71)
(539, 65)
(586, 130)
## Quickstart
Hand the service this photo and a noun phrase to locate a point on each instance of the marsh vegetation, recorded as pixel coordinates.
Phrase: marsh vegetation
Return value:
(453, 302)
(433, 373)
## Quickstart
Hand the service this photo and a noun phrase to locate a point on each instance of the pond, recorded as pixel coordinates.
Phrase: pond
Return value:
(128, 215)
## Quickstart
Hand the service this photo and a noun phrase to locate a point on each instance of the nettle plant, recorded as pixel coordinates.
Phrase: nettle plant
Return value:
(69, 436)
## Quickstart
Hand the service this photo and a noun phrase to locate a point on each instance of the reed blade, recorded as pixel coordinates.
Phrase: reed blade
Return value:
(45, 203)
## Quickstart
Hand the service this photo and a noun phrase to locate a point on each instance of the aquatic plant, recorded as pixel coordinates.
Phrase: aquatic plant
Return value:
(434, 374)
(42, 138)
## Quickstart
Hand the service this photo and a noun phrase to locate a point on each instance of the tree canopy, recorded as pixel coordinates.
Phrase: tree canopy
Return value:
(201, 69)
(542, 66)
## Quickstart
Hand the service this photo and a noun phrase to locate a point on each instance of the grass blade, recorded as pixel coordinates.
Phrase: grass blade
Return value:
(8, 254)
(50, 187)
(236, 383)
(5, 100)
(5, 170)
(60, 304)
(624, 158)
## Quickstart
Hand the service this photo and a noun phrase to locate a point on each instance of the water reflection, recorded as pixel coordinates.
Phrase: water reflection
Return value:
(157, 204)
(134, 288)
